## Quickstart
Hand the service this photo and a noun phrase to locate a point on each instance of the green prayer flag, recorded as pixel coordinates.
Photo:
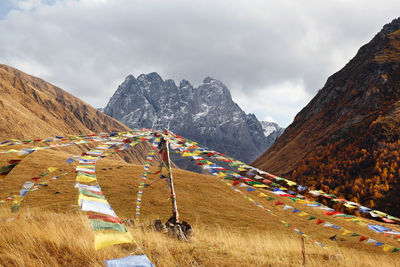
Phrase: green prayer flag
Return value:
(293, 199)
(86, 174)
(99, 225)
(253, 183)
(270, 198)
(311, 218)
(355, 234)
(395, 250)
(390, 217)
(90, 194)
(43, 174)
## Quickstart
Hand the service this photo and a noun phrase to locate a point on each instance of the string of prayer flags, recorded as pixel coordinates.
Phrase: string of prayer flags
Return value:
(103, 219)
(149, 159)
(277, 203)
(280, 192)
(256, 172)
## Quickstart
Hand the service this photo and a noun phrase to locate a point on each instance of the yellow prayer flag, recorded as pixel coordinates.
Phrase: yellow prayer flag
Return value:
(290, 183)
(186, 154)
(84, 179)
(105, 239)
(283, 188)
(387, 247)
(90, 199)
(242, 169)
(303, 213)
(52, 169)
(349, 206)
(380, 213)
(345, 232)
(89, 157)
(92, 167)
(362, 223)
(221, 174)
(262, 195)
(252, 200)
(260, 185)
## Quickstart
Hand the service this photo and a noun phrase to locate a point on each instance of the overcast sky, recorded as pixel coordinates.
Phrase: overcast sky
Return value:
(273, 55)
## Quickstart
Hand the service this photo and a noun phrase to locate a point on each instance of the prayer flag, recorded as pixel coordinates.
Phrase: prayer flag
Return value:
(97, 207)
(135, 260)
(105, 239)
(52, 169)
(345, 232)
(387, 247)
(85, 179)
(98, 225)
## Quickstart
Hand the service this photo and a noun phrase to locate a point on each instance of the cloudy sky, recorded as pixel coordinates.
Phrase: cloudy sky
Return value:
(273, 55)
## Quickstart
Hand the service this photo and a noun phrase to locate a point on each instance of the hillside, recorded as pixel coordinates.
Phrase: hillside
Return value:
(346, 140)
(33, 108)
(229, 229)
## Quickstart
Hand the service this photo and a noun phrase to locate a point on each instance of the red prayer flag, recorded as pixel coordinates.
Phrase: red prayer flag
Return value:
(362, 238)
(236, 182)
(329, 213)
(319, 221)
(104, 218)
(387, 220)
(278, 203)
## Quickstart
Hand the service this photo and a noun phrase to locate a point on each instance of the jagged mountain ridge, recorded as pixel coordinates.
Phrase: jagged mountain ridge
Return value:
(272, 131)
(346, 139)
(206, 114)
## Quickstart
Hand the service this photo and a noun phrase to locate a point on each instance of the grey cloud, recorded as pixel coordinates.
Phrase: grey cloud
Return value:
(88, 47)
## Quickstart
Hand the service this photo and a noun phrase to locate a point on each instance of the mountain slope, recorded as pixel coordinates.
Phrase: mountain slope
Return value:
(346, 140)
(31, 107)
(205, 114)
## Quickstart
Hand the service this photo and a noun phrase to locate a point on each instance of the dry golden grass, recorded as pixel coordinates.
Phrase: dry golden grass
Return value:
(229, 230)
(44, 238)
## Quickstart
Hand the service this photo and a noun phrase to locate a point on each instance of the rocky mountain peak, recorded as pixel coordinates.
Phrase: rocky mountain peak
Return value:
(185, 84)
(205, 114)
(391, 27)
(153, 76)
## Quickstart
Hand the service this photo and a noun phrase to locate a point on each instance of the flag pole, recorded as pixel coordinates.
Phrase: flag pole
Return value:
(171, 183)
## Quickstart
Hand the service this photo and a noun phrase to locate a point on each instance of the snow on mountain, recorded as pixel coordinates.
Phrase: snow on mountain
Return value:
(272, 131)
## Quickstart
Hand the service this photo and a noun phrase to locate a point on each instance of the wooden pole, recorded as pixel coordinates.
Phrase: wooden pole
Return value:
(171, 184)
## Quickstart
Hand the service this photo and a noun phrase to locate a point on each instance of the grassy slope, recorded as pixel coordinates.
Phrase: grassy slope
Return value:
(31, 107)
(230, 230)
